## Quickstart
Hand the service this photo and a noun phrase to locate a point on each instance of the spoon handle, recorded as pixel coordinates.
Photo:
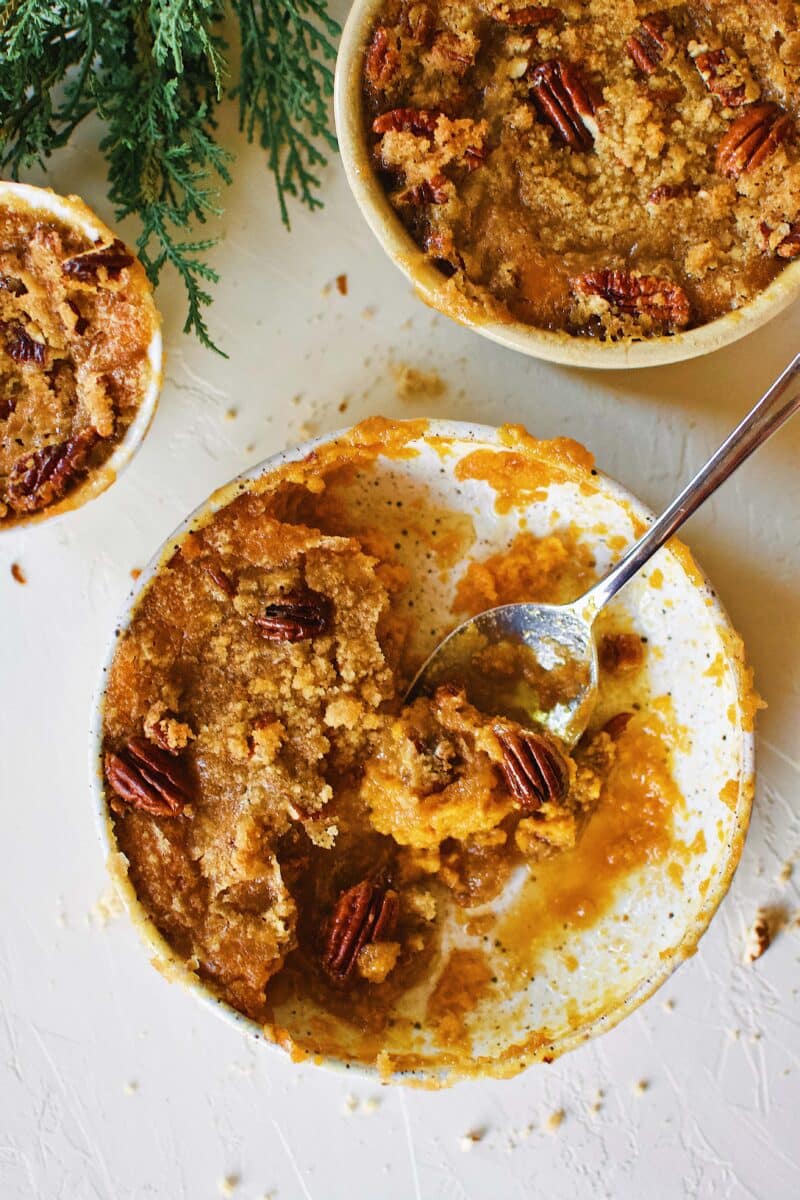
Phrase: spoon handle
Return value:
(775, 407)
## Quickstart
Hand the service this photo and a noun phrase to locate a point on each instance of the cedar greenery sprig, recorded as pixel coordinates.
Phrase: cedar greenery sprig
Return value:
(154, 72)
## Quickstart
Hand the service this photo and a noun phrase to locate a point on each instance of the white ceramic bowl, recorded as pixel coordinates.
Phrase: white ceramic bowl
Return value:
(431, 286)
(72, 211)
(658, 915)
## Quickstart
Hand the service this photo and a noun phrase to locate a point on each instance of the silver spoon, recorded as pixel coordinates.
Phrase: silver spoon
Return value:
(559, 637)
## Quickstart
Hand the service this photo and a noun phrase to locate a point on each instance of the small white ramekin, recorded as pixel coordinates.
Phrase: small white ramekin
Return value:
(687, 629)
(72, 211)
(431, 286)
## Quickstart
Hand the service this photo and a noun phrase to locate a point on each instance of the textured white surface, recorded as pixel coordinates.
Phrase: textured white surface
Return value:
(113, 1083)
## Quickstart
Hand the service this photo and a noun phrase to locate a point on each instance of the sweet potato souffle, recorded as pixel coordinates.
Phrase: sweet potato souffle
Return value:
(606, 168)
(77, 321)
(298, 834)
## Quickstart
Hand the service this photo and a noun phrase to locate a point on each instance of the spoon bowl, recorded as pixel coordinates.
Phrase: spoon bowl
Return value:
(557, 641)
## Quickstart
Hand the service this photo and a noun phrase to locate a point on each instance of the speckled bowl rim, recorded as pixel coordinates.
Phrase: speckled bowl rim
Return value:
(173, 967)
(75, 213)
(430, 284)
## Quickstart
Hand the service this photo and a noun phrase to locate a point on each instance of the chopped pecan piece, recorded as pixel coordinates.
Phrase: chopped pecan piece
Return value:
(663, 301)
(451, 53)
(7, 406)
(86, 266)
(441, 247)
(81, 323)
(10, 283)
(649, 47)
(223, 581)
(163, 730)
(148, 778)
(428, 191)
(22, 347)
(44, 476)
(529, 17)
(364, 914)
(751, 139)
(295, 618)
(790, 246)
(620, 652)
(534, 768)
(382, 60)
(617, 725)
(407, 120)
(715, 69)
(474, 157)
(671, 191)
(419, 22)
(565, 101)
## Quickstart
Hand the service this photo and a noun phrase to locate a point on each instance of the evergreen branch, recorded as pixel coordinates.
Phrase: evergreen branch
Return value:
(154, 71)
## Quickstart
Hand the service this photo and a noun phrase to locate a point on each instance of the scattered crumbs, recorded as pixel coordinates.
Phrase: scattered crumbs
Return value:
(231, 414)
(554, 1121)
(270, 1195)
(640, 1087)
(412, 383)
(597, 1102)
(250, 447)
(308, 429)
(786, 871)
(341, 285)
(471, 1139)
(18, 574)
(758, 938)
(135, 572)
(370, 1105)
(131, 1088)
(766, 924)
(105, 908)
(756, 1035)
(349, 1105)
(343, 406)
(407, 323)
(369, 312)
(734, 1034)
(668, 1006)
(525, 1132)
(297, 398)
(228, 1185)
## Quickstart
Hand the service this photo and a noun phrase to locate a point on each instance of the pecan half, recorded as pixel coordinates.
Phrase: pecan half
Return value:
(148, 778)
(429, 191)
(474, 157)
(565, 101)
(790, 246)
(86, 266)
(44, 476)
(295, 618)
(382, 60)
(529, 17)
(22, 347)
(649, 47)
(534, 768)
(663, 301)
(407, 120)
(451, 53)
(751, 139)
(715, 69)
(363, 914)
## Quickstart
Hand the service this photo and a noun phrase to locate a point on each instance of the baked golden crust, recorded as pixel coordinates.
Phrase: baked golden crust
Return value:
(76, 325)
(567, 165)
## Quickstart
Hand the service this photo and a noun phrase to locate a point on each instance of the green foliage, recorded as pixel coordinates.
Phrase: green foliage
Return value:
(155, 71)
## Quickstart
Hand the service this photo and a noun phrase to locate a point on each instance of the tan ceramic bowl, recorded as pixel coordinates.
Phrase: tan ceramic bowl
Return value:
(431, 286)
(661, 909)
(72, 211)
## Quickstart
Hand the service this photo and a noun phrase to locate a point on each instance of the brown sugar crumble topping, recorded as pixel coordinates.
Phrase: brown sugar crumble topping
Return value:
(612, 170)
(76, 323)
(295, 830)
